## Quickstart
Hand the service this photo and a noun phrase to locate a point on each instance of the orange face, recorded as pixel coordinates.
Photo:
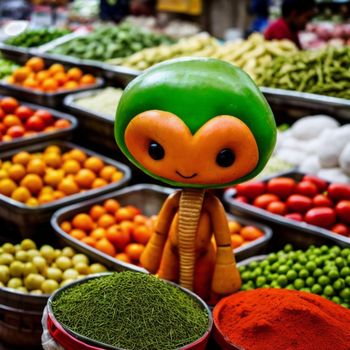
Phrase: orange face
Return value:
(221, 151)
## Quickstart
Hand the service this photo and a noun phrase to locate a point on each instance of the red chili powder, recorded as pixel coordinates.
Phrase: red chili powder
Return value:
(281, 319)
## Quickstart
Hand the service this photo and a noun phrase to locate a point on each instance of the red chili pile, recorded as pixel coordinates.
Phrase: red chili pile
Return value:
(280, 319)
(312, 200)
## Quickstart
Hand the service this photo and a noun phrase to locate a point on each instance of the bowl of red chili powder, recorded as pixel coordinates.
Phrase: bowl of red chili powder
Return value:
(280, 319)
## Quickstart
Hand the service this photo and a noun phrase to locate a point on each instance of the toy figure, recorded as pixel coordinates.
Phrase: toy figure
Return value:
(197, 124)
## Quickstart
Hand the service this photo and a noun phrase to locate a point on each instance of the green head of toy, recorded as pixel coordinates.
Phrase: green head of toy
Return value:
(195, 122)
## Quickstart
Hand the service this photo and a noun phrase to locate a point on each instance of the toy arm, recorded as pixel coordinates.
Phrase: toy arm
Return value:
(152, 255)
(226, 278)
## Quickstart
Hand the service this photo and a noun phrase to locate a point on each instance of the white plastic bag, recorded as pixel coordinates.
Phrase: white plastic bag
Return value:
(47, 341)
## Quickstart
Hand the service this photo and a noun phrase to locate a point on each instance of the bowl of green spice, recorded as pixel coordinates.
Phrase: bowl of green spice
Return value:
(128, 311)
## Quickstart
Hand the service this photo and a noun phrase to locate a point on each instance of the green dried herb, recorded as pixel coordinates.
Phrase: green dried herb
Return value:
(131, 311)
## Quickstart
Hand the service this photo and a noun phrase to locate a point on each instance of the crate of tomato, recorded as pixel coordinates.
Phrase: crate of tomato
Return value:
(302, 207)
(23, 124)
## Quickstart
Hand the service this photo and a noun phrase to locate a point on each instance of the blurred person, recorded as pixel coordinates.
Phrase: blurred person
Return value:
(15, 9)
(114, 10)
(295, 16)
(260, 10)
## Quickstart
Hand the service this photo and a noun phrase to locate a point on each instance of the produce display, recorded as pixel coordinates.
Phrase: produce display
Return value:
(251, 55)
(42, 177)
(7, 67)
(317, 145)
(323, 72)
(104, 102)
(319, 270)
(18, 120)
(147, 314)
(36, 37)
(35, 76)
(123, 232)
(27, 269)
(281, 319)
(109, 42)
(311, 200)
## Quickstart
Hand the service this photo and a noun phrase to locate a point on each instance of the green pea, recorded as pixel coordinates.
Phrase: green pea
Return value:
(327, 268)
(340, 262)
(347, 280)
(345, 252)
(339, 284)
(275, 266)
(345, 271)
(318, 272)
(323, 280)
(299, 283)
(328, 290)
(246, 287)
(245, 276)
(274, 284)
(283, 269)
(298, 267)
(310, 281)
(292, 275)
(302, 259)
(282, 280)
(288, 248)
(253, 264)
(319, 261)
(303, 273)
(345, 305)
(258, 271)
(348, 259)
(345, 293)
(333, 274)
(335, 249)
(272, 258)
(324, 249)
(318, 251)
(336, 299)
(316, 289)
(306, 289)
(311, 266)
(260, 281)
(290, 287)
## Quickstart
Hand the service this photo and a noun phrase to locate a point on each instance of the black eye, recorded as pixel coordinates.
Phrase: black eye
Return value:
(225, 158)
(156, 151)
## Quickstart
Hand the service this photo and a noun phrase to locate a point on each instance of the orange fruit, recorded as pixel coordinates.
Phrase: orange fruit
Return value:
(234, 226)
(45, 198)
(7, 186)
(71, 166)
(41, 76)
(141, 234)
(66, 226)
(83, 221)
(11, 80)
(32, 202)
(106, 247)
(117, 176)
(125, 213)
(21, 74)
(87, 79)
(111, 205)
(53, 148)
(36, 166)
(70, 85)
(36, 64)
(21, 194)
(54, 177)
(74, 73)
(99, 183)
(119, 238)
(236, 241)
(77, 155)
(52, 159)
(93, 163)
(3, 174)
(46, 190)
(33, 183)
(61, 78)
(16, 172)
(96, 212)
(123, 257)
(134, 251)
(250, 233)
(11, 120)
(31, 83)
(49, 84)
(56, 68)
(62, 124)
(7, 138)
(89, 241)
(107, 172)
(6, 165)
(77, 234)
(98, 233)
(58, 195)
(68, 186)
(106, 220)
(85, 178)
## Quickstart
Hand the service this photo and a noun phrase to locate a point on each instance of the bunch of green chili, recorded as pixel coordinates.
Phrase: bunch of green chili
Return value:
(131, 311)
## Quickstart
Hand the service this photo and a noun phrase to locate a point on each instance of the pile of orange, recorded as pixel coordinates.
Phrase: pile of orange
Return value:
(123, 232)
(43, 177)
(34, 75)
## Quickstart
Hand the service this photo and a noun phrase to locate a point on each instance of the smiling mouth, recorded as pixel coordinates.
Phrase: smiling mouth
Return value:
(186, 177)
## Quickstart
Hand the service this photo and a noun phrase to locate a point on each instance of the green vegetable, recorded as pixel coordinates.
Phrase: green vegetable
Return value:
(324, 271)
(36, 37)
(131, 311)
(7, 67)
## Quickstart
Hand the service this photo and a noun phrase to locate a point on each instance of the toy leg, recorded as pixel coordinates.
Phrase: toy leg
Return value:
(169, 266)
(204, 273)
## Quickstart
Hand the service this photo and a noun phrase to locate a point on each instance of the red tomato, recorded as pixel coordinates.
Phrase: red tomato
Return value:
(343, 211)
(9, 104)
(241, 199)
(23, 112)
(321, 200)
(341, 229)
(35, 123)
(281, 186)
(306, 188)
(250, 190)
(294, 216)
(16, 131)
(45, 116)
(2, 128)
(278, 208)
(323, 217)
(264, 200)
(299, 203)
(321, 184)
(2, 114)
(338, 191)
